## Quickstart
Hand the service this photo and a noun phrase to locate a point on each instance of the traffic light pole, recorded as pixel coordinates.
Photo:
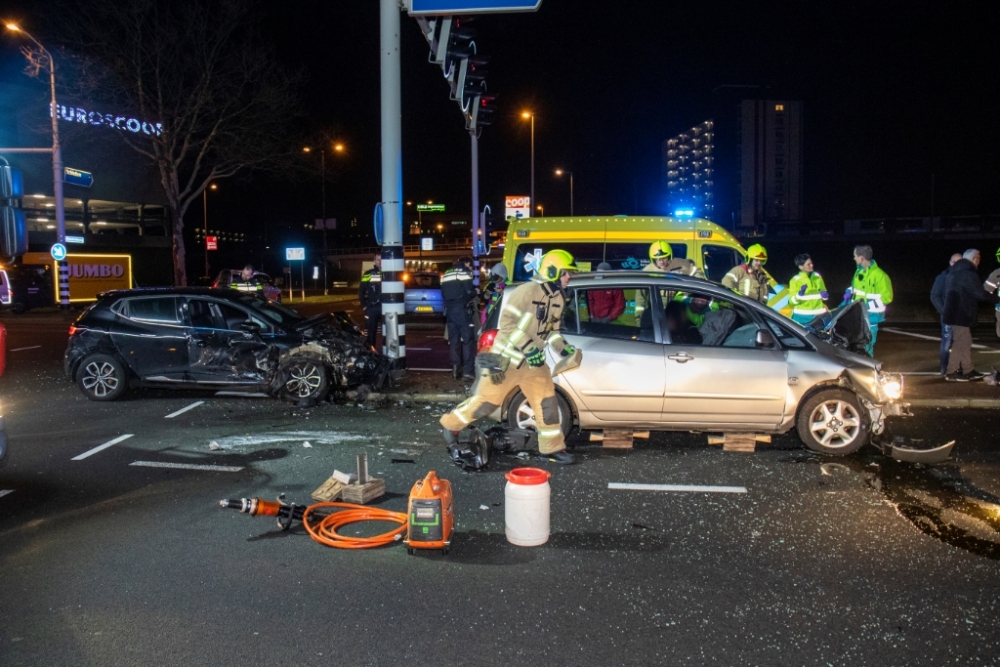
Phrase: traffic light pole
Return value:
(394, 327)
(474, 135)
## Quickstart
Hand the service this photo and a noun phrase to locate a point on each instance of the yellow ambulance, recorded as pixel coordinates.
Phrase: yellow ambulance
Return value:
(623, 242)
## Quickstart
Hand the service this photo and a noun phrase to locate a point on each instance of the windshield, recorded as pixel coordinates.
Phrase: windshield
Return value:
(270, 310)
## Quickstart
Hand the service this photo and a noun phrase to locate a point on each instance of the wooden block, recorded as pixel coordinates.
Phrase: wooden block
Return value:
(616, 438)
(329, 491)
(739, 442)
(362, 494)
(716, 439)
(641, 434)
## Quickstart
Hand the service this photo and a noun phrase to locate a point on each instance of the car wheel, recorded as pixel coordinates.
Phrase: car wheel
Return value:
(520, 414)
(19, 307)
(305, 379)
(832, 421)
(101, 377)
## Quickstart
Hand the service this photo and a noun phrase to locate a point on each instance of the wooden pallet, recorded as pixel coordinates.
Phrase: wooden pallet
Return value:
(618, 438)
(362, 494)
(738, 442)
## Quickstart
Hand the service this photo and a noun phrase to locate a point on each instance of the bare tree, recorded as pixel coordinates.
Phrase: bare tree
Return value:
(201, 70)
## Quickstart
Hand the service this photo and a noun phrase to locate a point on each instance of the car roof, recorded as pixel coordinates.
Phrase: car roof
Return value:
(229, 294)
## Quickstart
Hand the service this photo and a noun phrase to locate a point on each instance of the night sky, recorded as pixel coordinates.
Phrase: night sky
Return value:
(892, 94)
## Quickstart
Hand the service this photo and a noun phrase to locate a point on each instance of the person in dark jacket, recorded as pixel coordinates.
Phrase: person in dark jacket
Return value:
(459, 296)
(962, 293)
(370, 295)
(937, 298)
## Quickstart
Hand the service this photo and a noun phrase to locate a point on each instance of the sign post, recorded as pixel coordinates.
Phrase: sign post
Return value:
(296, 255)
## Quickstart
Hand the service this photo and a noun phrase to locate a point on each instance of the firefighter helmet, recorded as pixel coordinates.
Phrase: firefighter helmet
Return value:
(660, 250)
(998, 254)
(756, 251)
(554, 262)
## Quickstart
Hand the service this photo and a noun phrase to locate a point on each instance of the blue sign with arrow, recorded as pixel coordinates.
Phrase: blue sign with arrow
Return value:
(71, 176)
(445, 7)
(58, 252)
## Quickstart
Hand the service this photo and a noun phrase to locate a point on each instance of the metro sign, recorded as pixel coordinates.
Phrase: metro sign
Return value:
(211, 243)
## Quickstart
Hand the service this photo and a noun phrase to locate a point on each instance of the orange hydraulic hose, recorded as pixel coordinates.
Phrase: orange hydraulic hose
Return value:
(325, 530)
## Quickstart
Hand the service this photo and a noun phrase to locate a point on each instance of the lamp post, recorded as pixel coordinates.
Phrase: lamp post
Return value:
(57, 166)
(526, 115)
(541, 210)
(337, 148)
(204, 214)
(560, 172)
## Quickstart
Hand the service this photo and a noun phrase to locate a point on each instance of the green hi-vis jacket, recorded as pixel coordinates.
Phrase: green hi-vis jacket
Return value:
(873, 286)
(811, 302)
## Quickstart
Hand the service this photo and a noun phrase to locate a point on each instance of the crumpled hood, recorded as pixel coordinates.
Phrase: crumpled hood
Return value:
(335, 337)
(845, 327)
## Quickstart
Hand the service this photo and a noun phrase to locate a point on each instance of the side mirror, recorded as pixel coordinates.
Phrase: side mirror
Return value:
(765, 339)
(250, 327)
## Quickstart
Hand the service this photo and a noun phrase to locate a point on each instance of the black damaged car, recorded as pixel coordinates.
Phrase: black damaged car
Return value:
(196, 338)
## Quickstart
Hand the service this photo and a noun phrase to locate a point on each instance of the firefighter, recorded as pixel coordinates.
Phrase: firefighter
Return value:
(992, 285)
(370, 295)
(459, 296)
(871, 285)
(749, 278)
(661, 258)
(529, 321)
(808, 291)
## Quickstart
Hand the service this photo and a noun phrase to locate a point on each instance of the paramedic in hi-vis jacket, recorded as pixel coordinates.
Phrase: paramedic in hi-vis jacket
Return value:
(871, 285)
(529, 321)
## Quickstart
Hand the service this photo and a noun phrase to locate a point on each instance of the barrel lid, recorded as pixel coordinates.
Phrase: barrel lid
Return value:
(528, 476)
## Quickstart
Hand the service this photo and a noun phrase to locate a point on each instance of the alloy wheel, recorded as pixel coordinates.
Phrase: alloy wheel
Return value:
(100, 378)
(835, 424)
(304, 380)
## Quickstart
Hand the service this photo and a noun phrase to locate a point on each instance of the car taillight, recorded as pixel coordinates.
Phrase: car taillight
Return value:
(486, 339)
(73, 330)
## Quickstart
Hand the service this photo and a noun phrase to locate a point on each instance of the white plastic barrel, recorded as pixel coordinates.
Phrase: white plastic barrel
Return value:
(526, 511)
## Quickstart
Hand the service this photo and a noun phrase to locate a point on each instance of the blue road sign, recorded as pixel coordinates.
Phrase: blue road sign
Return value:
(58, 252)
(444, 7)
(295, 254)
(76, 177)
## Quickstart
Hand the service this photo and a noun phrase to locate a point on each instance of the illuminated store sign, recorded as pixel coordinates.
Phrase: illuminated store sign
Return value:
(76, 114)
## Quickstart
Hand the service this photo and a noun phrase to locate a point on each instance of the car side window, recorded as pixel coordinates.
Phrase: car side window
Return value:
(718, 260)
(610, 313)
(199, 313)
(234, 317)
(785, 335)
(700, 318)
(160, 309)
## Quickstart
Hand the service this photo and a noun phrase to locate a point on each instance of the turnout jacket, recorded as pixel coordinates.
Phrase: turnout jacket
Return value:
(811, 302)
(992, 284)
(873, 286)
(742, 280)
(370, 291)
(530, 320)
(676, 265)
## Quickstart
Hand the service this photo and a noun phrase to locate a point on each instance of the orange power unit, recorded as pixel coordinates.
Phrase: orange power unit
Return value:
(431, 515)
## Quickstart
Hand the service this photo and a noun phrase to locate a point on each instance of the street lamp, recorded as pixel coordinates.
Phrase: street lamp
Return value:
(204, 213)
(541, 210)
(337, 148)
(560, 172)
(526, 115)
(57, 164)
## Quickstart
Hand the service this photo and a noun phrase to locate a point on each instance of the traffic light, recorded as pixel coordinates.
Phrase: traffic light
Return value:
(481, 112)
(471, 79)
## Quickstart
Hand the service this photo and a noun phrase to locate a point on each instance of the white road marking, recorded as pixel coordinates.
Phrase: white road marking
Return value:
(101, 448)
(183, 410)
(975, 346)
(4, 492)
(185, 466)
(21, 349)
(418, 349)
(442, 370)
(277, 437)
(922, 373)
(685, 488)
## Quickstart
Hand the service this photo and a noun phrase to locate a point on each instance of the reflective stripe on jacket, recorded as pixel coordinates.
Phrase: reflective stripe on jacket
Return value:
(530, 319)
(744, 281)
(873, 286)
(811, 302)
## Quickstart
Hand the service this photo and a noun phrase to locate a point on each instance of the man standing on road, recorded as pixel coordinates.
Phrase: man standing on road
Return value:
(661, 259)
(529, 321)
(370, 295)
(871, 285)
(459, 296)
(749, 278)
(992, 285)
(937, 298)
(808, 291)
(962, 294)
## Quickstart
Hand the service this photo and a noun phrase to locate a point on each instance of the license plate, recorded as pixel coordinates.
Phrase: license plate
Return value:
(425, 309)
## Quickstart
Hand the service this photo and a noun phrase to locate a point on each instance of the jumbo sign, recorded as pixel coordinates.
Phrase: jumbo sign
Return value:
(89, 275)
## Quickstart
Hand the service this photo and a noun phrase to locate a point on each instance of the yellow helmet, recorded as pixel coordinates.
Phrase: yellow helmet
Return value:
(660, 250)
(554, 262)
(756, 251)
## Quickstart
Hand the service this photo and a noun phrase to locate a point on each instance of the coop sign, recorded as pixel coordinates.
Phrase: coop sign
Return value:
(124, 123)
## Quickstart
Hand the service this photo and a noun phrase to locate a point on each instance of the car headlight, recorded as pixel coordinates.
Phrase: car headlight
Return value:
(892, 383)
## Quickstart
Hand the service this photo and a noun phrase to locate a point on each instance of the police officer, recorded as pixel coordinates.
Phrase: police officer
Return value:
(370, 295)
(459, 296)
(871, 285)
(992, 285)
(529, 321)
(808, 291)
(661, 259)
(749, 278)
(249, 281)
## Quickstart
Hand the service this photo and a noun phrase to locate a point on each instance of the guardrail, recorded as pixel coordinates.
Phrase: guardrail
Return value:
(959, 225)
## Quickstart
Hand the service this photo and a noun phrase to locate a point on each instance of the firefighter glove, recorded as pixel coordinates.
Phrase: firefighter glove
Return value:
(568, 350)
(497, 378)
(536, 358)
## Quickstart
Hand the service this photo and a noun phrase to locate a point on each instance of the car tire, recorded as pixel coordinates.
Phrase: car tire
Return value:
(305, 379)
(19, 307)
(101, 377)
(833, 422)
(520, 414)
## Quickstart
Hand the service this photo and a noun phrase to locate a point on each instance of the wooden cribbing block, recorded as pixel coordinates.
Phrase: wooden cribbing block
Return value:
(615, 438)
(362, 494)
(738, 442)
(329, 491)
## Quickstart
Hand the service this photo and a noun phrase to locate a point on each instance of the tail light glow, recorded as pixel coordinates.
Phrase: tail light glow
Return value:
(486, 340)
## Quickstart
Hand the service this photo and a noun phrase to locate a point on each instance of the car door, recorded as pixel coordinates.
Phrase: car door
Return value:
(221, 351)
(151, 338)
(716, 375)
(621, 377)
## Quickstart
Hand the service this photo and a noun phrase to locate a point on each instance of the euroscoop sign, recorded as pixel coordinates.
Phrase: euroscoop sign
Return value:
(124, 123)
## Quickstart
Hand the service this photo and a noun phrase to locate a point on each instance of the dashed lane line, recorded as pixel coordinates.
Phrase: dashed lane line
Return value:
(185, 466)
(682, 488)
(101, 448)
(22, 349)
(440, 370)
(183, 410)
(5, 492)
(975, 346)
